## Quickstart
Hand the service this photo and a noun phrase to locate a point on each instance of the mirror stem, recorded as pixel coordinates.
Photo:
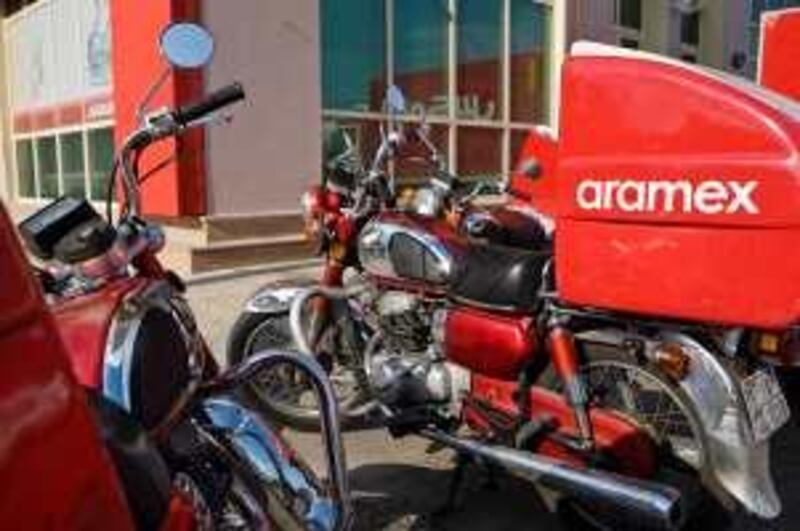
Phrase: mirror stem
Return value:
(151, 93)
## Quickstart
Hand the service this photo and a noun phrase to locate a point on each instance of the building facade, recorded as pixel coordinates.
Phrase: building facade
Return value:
(482, 72)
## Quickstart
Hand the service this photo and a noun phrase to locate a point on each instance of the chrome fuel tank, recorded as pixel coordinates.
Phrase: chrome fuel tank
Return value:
(402, 247)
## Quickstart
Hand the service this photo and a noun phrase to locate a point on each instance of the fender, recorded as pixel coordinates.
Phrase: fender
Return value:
(739, 463)
(275, 299)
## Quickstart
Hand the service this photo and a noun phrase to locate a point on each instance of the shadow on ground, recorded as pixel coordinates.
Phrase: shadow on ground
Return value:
(395, 497)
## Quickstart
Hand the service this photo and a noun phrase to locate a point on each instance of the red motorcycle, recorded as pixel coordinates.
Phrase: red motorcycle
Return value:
(131, 338)
(640, 346)
(46, 416)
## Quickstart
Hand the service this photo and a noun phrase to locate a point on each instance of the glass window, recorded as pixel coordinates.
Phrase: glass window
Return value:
(530, 51)
(101, 160)
(364, 134)
(415, 161)
(627, 42)
(48, 167)
(73, 165)
(26, 179)
(630, 14)
(480, 39)
(420, 54)
(479, 152)
(690, 28)
(353, 54)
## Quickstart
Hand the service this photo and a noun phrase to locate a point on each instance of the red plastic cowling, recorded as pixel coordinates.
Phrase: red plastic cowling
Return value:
(780, 51)
(494, 345)
(682, 196)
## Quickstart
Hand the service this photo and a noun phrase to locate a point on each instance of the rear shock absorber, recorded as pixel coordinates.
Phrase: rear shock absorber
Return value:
(565, 359)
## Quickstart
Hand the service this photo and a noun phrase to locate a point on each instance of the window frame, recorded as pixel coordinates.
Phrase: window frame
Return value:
(56, 132)
(450, 119)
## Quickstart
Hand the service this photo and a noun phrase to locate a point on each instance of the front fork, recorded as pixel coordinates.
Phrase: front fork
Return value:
(320, 306)
(566, 362)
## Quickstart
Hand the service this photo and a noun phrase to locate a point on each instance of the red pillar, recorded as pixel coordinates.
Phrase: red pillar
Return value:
(179, 189)
(780, 52)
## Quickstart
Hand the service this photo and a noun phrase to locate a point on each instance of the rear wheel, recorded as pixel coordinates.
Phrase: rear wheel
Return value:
(658, 406)
(283, 391)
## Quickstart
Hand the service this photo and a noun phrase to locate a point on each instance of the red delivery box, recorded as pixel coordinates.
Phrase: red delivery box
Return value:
(678, 191)
(779, 54)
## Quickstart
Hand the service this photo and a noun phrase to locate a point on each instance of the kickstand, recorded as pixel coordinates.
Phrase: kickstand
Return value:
(456, 482)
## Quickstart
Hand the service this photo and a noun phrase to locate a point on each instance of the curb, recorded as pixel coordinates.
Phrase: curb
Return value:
(239, 272)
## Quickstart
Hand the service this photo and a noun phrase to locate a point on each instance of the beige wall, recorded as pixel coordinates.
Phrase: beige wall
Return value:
(264, 160)
(6, 170)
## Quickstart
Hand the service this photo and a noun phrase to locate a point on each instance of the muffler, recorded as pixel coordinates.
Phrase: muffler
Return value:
(646, 504)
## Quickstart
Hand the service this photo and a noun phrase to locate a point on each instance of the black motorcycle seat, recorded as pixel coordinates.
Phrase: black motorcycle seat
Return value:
(499, 278)
(144, 476)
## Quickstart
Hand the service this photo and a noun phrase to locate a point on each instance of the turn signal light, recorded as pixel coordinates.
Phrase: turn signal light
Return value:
(783, 349)
(673, 361)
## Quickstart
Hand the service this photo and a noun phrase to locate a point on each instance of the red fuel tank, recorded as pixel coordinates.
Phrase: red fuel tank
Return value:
(678, 191)
(491, 344)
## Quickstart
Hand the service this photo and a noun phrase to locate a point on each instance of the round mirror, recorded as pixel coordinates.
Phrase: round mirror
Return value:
(395, 101)
(187, 45)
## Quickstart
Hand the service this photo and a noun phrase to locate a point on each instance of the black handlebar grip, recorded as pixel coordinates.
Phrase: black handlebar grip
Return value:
(214, 101)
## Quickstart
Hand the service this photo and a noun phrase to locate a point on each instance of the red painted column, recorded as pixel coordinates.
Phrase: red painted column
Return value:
(179, 189)
(780, 52)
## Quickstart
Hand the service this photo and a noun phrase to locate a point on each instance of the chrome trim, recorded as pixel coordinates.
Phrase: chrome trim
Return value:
(373, 249)
(651, 505)
(290, 482)
(331, 509)
(736, 461)
(272, 299)
(118, 355)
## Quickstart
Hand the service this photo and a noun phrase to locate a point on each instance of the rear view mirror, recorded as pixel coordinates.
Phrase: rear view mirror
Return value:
(187, 45)
(530, 168)
(395, 100)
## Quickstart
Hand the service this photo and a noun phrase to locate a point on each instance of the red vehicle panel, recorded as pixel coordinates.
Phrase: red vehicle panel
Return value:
(678, 192)
(84, 322)
(54, 472)
(780, 52)
(494, 345)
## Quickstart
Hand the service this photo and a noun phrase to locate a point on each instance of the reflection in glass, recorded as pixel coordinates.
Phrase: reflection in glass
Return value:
(48, 167)
(101, 160)
(420, 54)
(479, 32)
(72, 165)
(415, 161)
(530, 49)
(353, 54)
(25, 170)
(479, 152)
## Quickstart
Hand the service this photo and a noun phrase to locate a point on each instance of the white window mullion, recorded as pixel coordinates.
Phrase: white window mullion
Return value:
(37, 188)
(389, 7)
(59, 167)
(87, 172)
(506, 89)
(452, 85)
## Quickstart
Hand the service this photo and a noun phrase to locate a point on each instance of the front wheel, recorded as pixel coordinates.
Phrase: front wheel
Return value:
(283, 392)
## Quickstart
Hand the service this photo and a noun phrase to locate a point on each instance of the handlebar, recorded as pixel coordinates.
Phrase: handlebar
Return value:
(223, 97)
(167, 124)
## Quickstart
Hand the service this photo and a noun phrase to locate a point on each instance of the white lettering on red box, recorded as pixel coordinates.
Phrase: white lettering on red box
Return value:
(705, 197)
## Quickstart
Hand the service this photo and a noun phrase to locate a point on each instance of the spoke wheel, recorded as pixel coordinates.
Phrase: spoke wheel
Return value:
(653, 403)
(284, 391)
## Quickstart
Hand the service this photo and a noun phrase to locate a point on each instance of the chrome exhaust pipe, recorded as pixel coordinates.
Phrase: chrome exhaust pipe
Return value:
(647, 504)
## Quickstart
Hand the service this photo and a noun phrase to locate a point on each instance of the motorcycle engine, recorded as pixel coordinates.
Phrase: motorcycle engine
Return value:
(403, 366)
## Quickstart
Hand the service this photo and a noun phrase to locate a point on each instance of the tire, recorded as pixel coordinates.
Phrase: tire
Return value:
(684, 473)
(255, 332)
